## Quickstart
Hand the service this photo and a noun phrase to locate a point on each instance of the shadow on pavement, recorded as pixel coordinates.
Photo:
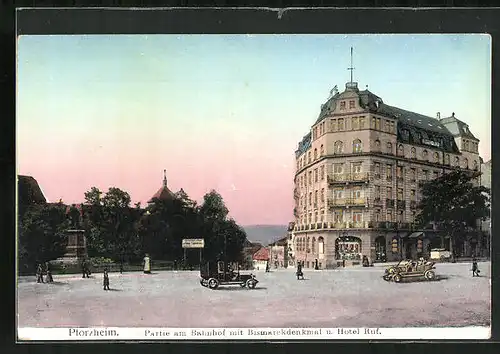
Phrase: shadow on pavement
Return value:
(240, 288)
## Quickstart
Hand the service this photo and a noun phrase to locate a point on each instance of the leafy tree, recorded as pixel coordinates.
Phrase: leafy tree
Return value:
(93, 196)
(41, 235)
(453, 203)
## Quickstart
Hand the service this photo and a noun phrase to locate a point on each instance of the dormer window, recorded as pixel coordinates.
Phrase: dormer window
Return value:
(356, 146)
(436, 157)
(351, 104)
(457, 161)
(425, 154)
(413, 153)
(342, 105)
(401, 151)
(377, 145)
(389, 148)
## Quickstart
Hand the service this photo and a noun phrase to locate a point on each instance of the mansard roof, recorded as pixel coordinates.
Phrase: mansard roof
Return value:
(457, 127)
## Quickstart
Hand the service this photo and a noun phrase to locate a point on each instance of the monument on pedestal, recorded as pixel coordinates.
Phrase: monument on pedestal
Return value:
(76, 249)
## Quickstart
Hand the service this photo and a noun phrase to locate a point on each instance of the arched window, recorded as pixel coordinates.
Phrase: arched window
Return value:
(436, 157)
(413, 153)
(457, 161)
(322, 150)
(315, 154)
(338, 147)
(321, 245)
(313, 245)
(389, 148)
(356, 146)
(475, 165)
(466, 163)
(377, 145)
(425, 154)
(447, 159)
(401, 150)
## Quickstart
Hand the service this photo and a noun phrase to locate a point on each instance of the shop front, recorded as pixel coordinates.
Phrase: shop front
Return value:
(348, 250)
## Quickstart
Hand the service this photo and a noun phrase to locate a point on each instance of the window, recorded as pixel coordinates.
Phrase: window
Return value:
(374, 123)
(389, 216)
(342, 105)
(341, 124)
(334, 125)
(400, 193)
(337, 168)
(310, 177)
(457, 161)
(361, 122)
(354, 123)
(338, 193)
(436, 157)
(466, 163)
(377, 145)
(392, 128)
(400, 216)
(315, 197)
(466, 145)
(315, 154)
(351, 104)
(309, 157)
(474, 163)
(401, 150)
(389, 148)
(338, 216)
(387, 126)
(322, 171)
(425, 154)
(357, 216)
(378, 124)
(377, 170)
(322, 150)
(377, 215)
(389, 192)
(298, 164)
(425, 174)
(388, 170)
(322, 195)
(377, 192)
(412, 195)
(316, 175)
(338, 147)
(356, 194)
(436, 174)
(356, 167)
(321, 247)
(447, 159)
(399, 171)
(310, 198)
(356, 146)
(413, 174)
(413, 153)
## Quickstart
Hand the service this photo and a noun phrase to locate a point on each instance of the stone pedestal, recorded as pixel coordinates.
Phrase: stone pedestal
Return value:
(76, 250)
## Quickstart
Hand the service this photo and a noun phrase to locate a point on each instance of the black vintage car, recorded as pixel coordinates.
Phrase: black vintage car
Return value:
(214, 274)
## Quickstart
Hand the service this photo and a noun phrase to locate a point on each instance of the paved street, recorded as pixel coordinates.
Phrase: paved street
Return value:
(351, 297)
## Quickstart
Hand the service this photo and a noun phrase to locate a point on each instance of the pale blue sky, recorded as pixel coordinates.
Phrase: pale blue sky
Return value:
(177, 98)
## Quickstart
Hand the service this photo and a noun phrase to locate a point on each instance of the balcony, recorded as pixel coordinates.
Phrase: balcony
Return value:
(389, 203)
(346, 178)
(401, 204)
(347, 202)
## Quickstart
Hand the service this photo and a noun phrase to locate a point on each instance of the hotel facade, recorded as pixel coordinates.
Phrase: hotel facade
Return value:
(356, 181)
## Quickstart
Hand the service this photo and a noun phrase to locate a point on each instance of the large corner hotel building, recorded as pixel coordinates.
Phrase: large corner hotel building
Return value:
(357, 174)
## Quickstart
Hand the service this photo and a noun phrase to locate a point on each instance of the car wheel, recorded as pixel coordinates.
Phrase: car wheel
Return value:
(243, 285)
(203, 282)
(251, 284)
(213, 283)
(397, 278)
(386, 277)
(430, 275)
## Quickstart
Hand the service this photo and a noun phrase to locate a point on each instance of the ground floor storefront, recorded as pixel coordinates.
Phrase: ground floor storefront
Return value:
(331, 249)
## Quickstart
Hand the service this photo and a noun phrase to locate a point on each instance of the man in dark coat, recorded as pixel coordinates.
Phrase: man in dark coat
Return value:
(475, 269)
(49, 273)
(39, 273)
(300, 274)
(105, 281)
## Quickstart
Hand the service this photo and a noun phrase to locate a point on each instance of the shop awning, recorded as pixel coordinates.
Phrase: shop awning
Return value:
(416, 234)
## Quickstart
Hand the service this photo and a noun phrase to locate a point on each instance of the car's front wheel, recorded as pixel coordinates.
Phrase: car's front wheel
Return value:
(430, 275)
(397, 278)
(213, 283)
(251, 283)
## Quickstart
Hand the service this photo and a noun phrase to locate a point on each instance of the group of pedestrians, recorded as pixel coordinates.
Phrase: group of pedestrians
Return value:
(42, 270)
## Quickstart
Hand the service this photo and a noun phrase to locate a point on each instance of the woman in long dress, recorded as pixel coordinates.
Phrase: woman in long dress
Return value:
(147, 264)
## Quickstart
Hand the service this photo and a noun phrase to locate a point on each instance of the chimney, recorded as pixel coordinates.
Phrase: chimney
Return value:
(438, 115)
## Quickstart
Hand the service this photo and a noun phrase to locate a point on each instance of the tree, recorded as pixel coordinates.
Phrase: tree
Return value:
(42, 235)
(453, 203)
(93, 197)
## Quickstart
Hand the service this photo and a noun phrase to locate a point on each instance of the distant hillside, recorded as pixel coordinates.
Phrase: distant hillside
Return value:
(265, 234)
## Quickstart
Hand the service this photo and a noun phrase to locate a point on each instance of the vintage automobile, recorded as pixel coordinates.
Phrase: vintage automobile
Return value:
(215, 274)
(440, 254)
(410, 269)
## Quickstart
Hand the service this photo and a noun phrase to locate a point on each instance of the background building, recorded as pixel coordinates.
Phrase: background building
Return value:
(357, 174)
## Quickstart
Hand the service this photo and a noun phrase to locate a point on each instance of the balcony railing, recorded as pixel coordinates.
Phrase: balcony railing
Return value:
(348, 177)
(347, 202)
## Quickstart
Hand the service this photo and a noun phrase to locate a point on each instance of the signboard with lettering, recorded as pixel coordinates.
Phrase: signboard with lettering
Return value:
(193, 243)
(431, 142)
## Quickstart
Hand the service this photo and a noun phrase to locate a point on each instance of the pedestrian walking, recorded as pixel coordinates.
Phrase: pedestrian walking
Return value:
(84, 269)
(475, 269)
(105, 281)
(147, 264)
(121, 267)
(39, 273)
(49, 273)
(299, 273)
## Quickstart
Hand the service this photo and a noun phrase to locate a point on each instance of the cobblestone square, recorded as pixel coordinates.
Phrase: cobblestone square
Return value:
(350, 297)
